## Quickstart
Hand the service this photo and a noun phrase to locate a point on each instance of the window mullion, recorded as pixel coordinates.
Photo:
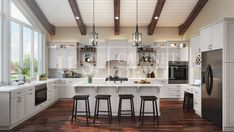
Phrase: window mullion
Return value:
(32, 54)
(21, 60)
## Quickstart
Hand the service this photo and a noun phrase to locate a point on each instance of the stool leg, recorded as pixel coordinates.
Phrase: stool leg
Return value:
(86, 111)
(153, 108)
(184, 100)
(76, 109)
(110, 108)
(98, 102)
(73, 108)
(140, 110)
(132, 108)
(95, 112)
(143, 112)
(156, 105)
(88, 108)
(119, 109)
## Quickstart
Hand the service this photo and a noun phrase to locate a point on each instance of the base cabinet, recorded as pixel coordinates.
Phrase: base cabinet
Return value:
(17, 109)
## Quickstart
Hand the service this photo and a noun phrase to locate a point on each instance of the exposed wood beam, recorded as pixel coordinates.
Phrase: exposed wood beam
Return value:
(78, 17)
(117, 16)
(41, 17)
(196, 10)
(155, 17)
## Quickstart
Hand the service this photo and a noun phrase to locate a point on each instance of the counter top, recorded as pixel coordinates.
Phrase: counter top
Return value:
(112, 84)
(11, 88)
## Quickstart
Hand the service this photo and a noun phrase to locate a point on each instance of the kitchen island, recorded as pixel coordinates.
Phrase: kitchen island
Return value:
(114, 89)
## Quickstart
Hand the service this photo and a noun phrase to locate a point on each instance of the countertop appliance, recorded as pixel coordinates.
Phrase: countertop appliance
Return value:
(40, 93)
(178, 72)
(212, 86)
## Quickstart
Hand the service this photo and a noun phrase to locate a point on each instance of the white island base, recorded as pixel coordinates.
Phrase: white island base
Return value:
(114, 90)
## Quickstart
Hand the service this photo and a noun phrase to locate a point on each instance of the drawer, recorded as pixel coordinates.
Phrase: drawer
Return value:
(197, 91)
(30, 89)
(175, 96)
(70, 81)
(17, 93)
(197, 103)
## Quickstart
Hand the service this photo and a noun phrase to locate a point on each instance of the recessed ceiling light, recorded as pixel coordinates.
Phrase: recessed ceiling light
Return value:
(77, 18)
(116, 17)
(156, 18)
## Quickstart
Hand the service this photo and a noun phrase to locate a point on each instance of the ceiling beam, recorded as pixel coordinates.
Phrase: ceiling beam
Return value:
(155, 17)
(196, 10)
(117, 16)
(78, 17)
(41, 17)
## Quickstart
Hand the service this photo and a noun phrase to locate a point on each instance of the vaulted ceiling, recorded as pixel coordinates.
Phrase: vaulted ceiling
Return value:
(173, 14)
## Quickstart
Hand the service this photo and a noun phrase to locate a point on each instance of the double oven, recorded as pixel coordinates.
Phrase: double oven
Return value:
(40, 94)
(178, 72)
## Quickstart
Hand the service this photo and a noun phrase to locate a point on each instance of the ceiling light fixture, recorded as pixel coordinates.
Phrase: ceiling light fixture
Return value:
(156, 18)
(93, 36)
(136, 37)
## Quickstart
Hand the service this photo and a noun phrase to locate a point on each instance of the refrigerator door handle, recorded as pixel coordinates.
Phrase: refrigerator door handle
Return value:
(209, 79)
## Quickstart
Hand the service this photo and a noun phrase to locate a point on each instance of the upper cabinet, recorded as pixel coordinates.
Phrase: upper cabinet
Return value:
(63, 56)
(101, 56)
(178, 51)
(212, 37)
(195, 45)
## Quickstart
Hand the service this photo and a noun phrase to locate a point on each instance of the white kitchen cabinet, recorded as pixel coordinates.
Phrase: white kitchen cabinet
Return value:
(183, 54)
(132, 57)
(17, 109)
(175, 91)
(56, 93)
(178, 54)
(29, 98)
(164, 91)
(101, 56)
(71, 58)
(67, 92)
(53, 58)
(63, 56)
(5, 109)
(212, 37)
(195, 45)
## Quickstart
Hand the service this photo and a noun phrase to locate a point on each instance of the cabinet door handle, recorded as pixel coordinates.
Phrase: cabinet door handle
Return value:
(18, 92)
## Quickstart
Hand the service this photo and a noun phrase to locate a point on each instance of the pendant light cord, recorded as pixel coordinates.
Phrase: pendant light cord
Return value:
(137, 16)
(93, 18)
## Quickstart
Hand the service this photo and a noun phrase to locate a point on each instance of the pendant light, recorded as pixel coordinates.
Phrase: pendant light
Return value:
(136, 37)
(93, 36)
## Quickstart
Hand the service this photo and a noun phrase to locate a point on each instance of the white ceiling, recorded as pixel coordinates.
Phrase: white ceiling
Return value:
(174, 13)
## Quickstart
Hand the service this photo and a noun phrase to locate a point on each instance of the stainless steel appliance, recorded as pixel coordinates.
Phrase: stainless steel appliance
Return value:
(212, 86)
(178, 72)
(40, 93)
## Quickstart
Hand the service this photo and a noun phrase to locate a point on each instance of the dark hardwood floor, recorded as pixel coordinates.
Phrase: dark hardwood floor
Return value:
(173, 118)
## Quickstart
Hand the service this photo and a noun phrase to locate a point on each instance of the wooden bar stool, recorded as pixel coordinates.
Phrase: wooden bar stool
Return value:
(142, 107)
(76, 98)
(188, 101)
(109, 111)
(132, 111)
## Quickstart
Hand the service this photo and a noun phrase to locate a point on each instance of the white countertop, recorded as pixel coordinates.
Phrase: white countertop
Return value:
(112, 84)
(10, 88)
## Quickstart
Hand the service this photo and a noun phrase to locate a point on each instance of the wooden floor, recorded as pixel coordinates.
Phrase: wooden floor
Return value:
(173, 118)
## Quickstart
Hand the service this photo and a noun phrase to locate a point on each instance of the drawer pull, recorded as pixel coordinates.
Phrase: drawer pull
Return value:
(18, 92)
(30, 90)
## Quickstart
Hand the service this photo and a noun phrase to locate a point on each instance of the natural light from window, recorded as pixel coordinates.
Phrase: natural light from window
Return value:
(16, 13)
(26, 44)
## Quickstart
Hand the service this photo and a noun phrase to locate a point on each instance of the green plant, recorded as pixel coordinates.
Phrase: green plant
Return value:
(24, 70)
(43, 75)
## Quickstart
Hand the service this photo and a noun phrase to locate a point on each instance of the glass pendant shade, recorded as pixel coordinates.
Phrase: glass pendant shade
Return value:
(93, 39)
(136, 39)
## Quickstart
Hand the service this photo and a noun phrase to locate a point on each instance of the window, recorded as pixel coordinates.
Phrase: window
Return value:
(1, 47)
(26, 42)
(15, 50)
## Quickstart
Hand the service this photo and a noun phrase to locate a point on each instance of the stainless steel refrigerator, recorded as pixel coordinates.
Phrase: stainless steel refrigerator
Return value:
(212, 86)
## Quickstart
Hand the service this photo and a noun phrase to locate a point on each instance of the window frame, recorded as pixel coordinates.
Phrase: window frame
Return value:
(1, 42)
(33, 29)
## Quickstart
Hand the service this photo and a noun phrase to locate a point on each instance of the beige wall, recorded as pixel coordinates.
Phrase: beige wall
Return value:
(214, 10)
(72, 34)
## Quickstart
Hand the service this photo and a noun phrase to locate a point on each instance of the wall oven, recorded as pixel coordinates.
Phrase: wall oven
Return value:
(178, 72)
(40, 94)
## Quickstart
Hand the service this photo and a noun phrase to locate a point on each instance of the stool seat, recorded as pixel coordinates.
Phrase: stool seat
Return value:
(149, 97)
(81, 97)
(126, 96)
(103, 96)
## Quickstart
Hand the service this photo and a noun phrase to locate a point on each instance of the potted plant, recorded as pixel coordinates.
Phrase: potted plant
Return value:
(43, 77)
(24, 72)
